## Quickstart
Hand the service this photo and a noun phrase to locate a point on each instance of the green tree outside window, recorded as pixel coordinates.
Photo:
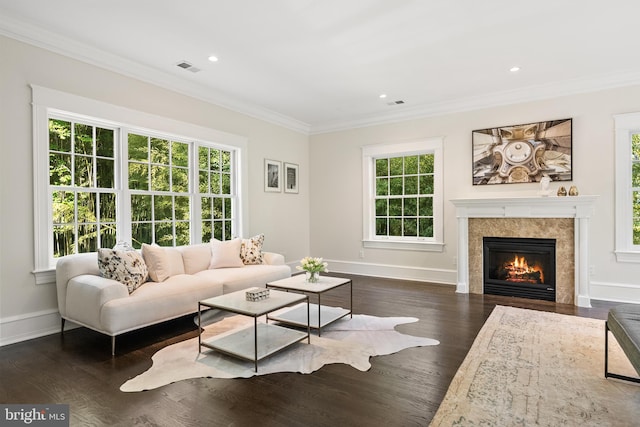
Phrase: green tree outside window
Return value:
(85, 198)
(81, 177)
(404, 188)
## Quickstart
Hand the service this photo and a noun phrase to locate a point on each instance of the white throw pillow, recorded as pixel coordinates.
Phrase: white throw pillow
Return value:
(225, 254)
(157, 261)
(251, 250)
(126, 267)
(123, 246)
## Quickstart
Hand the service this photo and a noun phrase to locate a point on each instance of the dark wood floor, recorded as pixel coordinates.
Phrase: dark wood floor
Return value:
(402, 389)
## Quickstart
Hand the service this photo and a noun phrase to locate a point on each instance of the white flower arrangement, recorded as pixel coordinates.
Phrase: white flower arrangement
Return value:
(313, 265)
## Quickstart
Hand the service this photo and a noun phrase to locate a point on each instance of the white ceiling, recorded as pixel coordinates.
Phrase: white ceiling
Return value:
(320, 65)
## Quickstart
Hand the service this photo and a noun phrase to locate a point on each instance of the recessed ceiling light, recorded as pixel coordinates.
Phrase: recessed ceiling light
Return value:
(514, 69)
(213, 58)
(383, 96)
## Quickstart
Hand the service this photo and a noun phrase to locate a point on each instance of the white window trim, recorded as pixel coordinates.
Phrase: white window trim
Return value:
(625, 126)
(45, 100)
(369, 152)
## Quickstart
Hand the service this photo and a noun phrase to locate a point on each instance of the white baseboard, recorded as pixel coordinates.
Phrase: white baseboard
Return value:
(29, 326)
(420, 274)
(615, 292)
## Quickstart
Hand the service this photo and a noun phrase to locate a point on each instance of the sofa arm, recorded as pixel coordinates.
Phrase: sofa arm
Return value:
(272, 258)
(69, 267)
(86, 294)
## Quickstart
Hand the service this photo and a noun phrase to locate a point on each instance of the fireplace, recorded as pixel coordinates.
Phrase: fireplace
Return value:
(565, 219)
(520, 267)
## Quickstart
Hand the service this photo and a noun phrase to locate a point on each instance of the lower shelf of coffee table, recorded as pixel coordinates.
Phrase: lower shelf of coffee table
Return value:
(241, 343)
(297, 316)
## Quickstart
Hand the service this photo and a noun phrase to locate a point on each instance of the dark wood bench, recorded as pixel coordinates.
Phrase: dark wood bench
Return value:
(624, 323)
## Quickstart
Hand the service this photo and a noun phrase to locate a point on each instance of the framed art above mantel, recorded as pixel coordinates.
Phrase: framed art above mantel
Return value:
(523, 153)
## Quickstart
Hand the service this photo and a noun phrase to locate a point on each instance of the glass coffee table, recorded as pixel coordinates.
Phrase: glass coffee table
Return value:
(321, 315)
(261, 340)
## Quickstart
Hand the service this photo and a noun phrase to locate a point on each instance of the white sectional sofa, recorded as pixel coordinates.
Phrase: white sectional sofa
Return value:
(184, 277)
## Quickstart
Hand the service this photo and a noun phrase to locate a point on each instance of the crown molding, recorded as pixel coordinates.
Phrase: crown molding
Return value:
(71, 48)
(496, 99)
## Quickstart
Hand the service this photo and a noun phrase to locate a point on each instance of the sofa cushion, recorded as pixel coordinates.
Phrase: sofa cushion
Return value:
(127, 267)
(156, 302)
(236, 279)
(225, 254)
(162, 262)
(251, 250)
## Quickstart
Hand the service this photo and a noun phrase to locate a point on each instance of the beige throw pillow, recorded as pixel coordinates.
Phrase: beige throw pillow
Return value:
(126, 267)
(157, 261)
(251, 250)
(196, 257)
(225, 254)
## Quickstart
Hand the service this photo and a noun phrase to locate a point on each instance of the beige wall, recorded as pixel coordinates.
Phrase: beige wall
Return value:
(25, 304)
(336, 186)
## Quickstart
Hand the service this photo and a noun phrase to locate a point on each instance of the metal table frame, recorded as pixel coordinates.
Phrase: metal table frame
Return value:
(297, 284)
(253, 309)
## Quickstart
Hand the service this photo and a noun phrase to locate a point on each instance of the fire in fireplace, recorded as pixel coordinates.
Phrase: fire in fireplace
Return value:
(522, 267)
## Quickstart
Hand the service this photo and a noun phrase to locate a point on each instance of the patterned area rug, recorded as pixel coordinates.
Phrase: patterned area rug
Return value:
(350, 340)
(530, 368)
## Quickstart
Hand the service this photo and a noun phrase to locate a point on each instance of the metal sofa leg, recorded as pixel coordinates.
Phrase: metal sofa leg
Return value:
(62, 326)
(113, 345)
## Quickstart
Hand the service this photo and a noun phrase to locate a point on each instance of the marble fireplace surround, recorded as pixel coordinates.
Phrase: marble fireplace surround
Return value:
(565, 219)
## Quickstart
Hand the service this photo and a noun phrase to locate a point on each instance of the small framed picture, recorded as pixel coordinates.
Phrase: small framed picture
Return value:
(290, 178)
(272, 176)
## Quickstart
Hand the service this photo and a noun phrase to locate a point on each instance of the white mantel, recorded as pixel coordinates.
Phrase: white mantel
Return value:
(578, 207)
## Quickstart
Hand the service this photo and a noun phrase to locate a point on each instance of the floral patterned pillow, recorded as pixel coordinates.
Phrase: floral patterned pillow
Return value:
(126, 267)
(251, 250)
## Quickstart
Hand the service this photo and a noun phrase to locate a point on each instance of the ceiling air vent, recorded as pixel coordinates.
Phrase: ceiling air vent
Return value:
(398, 102)
(188, 66)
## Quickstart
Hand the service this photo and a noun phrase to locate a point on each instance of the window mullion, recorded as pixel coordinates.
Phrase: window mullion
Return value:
(195, 198)
(123, 194)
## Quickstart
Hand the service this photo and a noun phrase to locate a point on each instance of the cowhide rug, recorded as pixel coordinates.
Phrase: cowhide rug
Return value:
(350, 340)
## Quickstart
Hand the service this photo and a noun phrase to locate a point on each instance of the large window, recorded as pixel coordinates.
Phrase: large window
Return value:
(403, 195)
(156, 188)
(99, 179)
(628, 187)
